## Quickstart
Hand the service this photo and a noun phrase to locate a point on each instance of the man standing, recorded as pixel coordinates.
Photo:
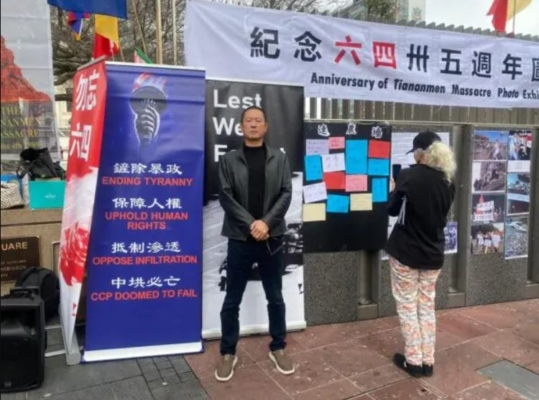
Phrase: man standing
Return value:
(255, 193)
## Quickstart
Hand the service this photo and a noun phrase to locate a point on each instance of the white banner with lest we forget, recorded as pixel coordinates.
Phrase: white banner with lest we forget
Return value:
(347, 59)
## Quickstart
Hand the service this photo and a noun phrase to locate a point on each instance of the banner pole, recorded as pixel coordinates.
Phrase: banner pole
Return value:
(174, 34)
(158, 32)
(514, 16)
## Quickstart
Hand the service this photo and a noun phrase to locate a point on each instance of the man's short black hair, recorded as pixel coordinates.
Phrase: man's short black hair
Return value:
(254, 108)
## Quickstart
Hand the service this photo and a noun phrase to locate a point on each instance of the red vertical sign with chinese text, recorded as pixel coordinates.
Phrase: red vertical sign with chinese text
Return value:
(89, 97)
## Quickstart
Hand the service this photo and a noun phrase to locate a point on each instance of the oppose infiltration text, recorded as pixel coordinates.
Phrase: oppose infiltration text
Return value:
(145, 260)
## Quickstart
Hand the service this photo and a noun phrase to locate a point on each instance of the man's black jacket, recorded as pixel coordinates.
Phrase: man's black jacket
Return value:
(233, 193)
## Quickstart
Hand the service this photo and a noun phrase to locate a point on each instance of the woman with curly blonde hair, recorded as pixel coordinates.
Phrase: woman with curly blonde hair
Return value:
(421, 199)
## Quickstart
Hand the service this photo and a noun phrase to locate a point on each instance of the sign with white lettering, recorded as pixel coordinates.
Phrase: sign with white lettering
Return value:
(18, 254)
(347, 59)
(226, 101)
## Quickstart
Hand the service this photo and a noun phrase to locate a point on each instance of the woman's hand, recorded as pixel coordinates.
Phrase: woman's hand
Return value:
(392, 185)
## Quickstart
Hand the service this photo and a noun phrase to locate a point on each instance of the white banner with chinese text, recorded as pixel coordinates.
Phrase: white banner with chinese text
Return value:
(347, 59)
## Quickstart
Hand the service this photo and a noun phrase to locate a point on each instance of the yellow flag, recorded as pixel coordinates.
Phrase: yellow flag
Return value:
(107, 26)
(516, 6)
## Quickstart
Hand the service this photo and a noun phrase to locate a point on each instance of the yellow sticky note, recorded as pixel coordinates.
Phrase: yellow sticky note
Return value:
(314, 212)
(361, 202)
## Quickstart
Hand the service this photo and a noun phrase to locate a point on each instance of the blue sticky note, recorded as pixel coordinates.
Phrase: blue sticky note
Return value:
(356, 157)
(338, 203)
(380, 189)
(378, 167)
(313, 168)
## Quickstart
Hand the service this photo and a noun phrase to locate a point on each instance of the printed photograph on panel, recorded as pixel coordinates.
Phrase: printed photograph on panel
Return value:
(519, 187)
(489, 176)
(520, 145)
(487, 238)
(516, 207)
(488, 208)
(490, 146)
(451, 236)
(516, 239)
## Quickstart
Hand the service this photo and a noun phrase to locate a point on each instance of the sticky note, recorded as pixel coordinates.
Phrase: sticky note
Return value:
(313, 168)
(378, 167)
(338, 203)
(314, 212)
(356, 183)
(361, 202)
(380, 189)
(335, 180)
(356, 157)
(317, 146)
(378, 149)
(315, 192)
(336, 143)
(333, 162)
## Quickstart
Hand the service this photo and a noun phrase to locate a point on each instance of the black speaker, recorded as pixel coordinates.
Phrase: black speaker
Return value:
(22, 348)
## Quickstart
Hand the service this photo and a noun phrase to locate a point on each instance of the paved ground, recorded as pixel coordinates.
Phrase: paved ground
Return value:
(345, 361)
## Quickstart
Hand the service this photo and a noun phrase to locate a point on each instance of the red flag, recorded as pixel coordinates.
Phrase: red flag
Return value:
(104, 47)
(498, 10)
(107, 38)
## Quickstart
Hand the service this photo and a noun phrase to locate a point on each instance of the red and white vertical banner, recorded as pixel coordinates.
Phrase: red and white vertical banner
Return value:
(89, 95)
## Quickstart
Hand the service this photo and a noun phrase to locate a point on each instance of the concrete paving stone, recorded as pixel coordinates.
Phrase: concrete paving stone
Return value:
(145, 361)
(61, 378)
(340, 390)
(409, 389)
(188, 390)
(488, 391)
(518, 379)
(160, 359)
(311, 372)
(168, 372)
(92, 393)
(378, 378)
(156, 384)
(174, 358)
(163, 365)
(132, 389)
(14, 396)
(54, 338)
(455, 368)
(188, 376)
(507, 345)
(151, 376)
(148, 368)
(172, 380)
(180, 365)
(247, 384)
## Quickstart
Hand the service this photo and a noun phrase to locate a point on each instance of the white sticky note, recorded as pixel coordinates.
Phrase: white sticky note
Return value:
(314, 212)
(333, 162)
(315, 192)
(361, 202)
(317, 146)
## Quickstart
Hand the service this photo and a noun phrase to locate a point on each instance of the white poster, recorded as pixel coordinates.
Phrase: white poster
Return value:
(347, 59)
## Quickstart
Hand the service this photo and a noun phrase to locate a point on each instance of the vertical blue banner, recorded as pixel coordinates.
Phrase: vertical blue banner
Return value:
(144, 286)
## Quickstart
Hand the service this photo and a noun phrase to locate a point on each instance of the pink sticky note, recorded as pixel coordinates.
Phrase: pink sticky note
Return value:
(336, 143)
(356, 183)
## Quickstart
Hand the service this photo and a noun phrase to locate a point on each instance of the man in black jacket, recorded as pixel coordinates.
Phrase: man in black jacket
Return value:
(255, 193)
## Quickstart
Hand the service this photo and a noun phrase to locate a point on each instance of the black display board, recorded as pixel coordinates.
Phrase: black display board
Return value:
(225, 102)
(346, 186)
